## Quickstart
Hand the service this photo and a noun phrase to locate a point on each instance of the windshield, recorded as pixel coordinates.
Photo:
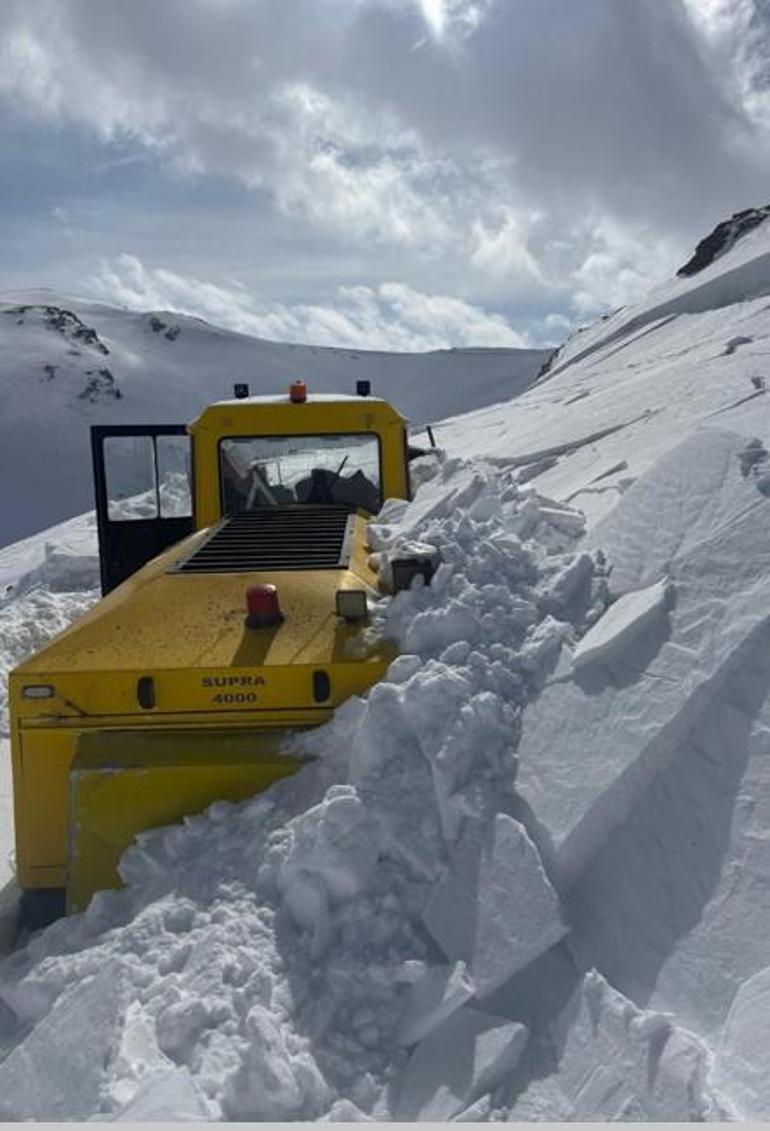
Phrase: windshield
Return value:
(273, 471)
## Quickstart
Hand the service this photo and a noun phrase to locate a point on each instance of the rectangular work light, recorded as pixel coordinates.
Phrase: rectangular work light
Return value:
(351, 604)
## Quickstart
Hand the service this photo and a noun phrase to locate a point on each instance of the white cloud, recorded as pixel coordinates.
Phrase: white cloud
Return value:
(720, 19)
(478, 156)
(620, 266)
(500, 245)
(391, 317)
(453, 17)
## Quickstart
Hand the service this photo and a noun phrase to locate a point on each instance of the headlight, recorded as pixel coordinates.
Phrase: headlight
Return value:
(38, 691)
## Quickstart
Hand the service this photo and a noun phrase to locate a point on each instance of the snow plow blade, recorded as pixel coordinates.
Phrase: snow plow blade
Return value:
(122, 782)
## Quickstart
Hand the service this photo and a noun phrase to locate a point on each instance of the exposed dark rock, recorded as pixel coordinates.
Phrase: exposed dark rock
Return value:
(544, 368)
(724, 236)
(73, 328)
(157, 325)
(100, 384)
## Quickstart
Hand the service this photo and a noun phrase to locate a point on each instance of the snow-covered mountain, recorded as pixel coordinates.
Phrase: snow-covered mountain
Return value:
(66, 364)
(528, 876)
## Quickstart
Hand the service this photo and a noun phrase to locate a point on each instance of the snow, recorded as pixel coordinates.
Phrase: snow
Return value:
(495, 935)
(525, 876)
(460, 1061)
(435, 995)
(742, 1063)
(56, 1072)
(621, 623)
(619, 1063)
(628, 716)
(169, 1096)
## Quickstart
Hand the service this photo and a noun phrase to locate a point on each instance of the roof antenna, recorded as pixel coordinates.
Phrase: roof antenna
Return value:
(240, 390)
(363, 388)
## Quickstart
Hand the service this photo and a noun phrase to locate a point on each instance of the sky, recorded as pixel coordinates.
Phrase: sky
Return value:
(387, 174)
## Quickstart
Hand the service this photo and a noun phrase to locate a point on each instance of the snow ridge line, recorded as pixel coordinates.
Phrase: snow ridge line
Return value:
(747, 281)
(572, 446)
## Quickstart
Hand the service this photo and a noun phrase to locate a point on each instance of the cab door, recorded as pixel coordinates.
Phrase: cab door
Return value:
(143, 493)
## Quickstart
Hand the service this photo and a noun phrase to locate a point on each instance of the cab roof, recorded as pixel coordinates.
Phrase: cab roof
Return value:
(312, 398)
(324, 412)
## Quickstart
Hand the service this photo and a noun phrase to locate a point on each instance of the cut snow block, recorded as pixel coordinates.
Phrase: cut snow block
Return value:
(57, 1072)
(439, 992)
(741, 1072)
(618, 1062)
(168, 1097)
(590, 747)
(466, 1056)
(494, 908)
(621, 623)
(394, 781)
(333, 841)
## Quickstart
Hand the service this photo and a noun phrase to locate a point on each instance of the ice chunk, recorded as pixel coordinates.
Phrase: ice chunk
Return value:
(434, 997)
(169, 1096)
(332, 847)
(622, 622)
(274, 1081)
(564, 519)
(494, 908)
(57, 1072)
(618, 1062)
(394, 782)
(571, 581)
(741, 1070)
(138, 1055)
(345, 1111)
(466, 1056)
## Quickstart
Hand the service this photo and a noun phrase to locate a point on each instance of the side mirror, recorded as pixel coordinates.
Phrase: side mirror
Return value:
(416, 453)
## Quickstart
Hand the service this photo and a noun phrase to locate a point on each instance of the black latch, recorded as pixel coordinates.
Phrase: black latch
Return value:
(322, 686)
(145, 692)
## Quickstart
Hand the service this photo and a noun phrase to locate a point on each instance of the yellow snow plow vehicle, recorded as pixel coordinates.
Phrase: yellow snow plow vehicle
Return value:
(232, 613)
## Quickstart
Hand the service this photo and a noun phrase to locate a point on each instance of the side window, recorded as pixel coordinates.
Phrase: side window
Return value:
(129, 466)
(147, 477)
(174, 489)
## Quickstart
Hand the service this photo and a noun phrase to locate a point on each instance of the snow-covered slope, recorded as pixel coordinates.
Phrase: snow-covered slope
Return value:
(621, 393)
(66, 364)
(528, 876)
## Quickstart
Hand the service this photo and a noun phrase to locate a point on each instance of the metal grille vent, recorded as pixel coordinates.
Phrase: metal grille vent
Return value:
(271, 538)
